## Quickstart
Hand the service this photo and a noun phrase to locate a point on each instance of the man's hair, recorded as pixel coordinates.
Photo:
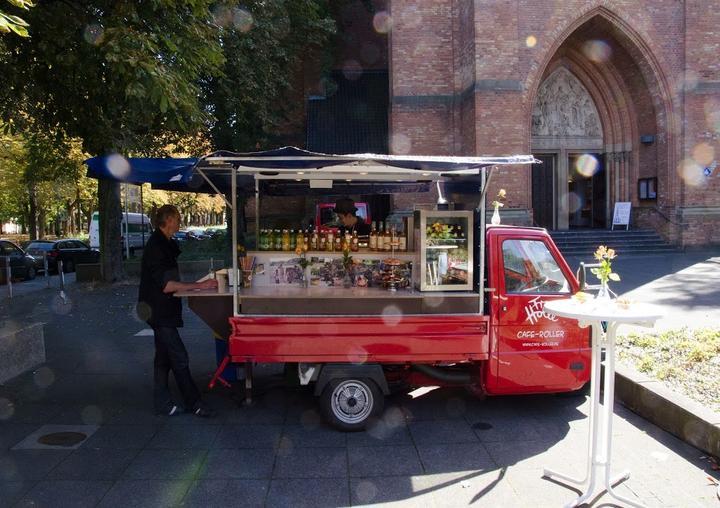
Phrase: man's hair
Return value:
(164, 213)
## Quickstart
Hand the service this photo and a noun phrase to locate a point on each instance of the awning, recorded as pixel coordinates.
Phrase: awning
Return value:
(138, 170)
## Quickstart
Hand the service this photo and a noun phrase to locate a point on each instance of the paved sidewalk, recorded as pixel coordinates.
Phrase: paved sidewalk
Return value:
(441, 449)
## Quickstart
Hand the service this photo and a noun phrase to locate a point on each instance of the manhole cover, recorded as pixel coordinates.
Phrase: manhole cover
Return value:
(62, 438)
(482, 426)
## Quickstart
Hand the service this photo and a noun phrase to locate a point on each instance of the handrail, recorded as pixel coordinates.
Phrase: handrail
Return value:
(671, 221)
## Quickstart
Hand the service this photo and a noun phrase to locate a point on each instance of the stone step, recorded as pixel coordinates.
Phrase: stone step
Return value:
(583, 243)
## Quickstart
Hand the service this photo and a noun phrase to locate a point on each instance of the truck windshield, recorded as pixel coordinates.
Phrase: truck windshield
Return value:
(529, 267)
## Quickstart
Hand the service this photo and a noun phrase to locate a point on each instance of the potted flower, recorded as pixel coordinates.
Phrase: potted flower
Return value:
(604, 271)
(497, 204)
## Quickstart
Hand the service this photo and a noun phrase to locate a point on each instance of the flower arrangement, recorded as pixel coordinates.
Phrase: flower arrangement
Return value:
(439, 231)
(347, 259)
(604, 271)
(500, 196)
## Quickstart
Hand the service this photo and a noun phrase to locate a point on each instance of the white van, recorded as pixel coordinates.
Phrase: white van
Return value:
(132, 227)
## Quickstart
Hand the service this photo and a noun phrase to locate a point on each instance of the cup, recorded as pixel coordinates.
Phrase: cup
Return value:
(221, 279)
(247, 278)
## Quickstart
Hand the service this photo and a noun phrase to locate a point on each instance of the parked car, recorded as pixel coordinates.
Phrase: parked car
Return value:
(71, 252)
(22, 264)
(184, 236)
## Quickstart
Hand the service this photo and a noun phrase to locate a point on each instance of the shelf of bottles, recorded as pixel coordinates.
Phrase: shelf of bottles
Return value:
(446, 256)
(381, 240)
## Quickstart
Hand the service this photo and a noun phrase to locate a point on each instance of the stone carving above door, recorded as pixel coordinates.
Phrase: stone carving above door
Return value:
(564, 108)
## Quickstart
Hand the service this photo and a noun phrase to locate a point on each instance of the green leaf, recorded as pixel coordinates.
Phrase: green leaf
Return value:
(614, 276)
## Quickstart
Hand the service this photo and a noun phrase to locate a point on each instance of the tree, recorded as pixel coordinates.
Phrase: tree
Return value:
(10, 23)
(120, 75)
(265, 44)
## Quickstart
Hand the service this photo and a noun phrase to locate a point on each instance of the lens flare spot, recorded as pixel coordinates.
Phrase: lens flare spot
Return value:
(7, 409)
(691, 172)
(712, 114)
(369, 53)
(222, 16)
(93, 34)
(44, 377)
(587, 165)
(366, 491)
(400, 144)
(61, 305)
(358, 356)
(91, 415)
(703, 154)
(575, 202)
(242, 19)
(392, 315)
(382, 22)
(597, 51)
(352, 70)
(530, 41)
(118, 166)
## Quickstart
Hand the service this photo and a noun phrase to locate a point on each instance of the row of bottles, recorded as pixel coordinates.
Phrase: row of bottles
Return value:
(386, 238)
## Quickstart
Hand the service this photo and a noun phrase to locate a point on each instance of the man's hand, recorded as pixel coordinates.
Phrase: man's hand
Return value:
(206, 284)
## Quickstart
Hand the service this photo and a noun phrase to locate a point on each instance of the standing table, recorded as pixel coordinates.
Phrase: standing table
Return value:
(593, 312)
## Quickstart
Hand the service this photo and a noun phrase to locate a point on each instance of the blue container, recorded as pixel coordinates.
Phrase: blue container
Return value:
(230, 372)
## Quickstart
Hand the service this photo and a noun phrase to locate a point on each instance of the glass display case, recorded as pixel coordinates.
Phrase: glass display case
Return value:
(444, 241)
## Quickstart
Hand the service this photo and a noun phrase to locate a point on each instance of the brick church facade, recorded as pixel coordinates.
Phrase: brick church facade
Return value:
(619, 99)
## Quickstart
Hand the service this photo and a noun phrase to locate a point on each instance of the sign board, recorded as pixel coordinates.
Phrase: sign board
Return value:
(621, 215)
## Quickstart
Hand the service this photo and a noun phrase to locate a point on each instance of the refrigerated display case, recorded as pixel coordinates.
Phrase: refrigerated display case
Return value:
(444, 240)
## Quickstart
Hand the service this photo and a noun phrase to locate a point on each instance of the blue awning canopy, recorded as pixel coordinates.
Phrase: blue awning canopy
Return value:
(286, 164)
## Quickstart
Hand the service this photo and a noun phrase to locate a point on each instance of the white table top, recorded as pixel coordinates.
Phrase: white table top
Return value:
(604, 310)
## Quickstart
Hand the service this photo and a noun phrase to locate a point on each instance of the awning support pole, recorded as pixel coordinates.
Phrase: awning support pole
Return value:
(233, 206)
(257, 214)
(485, 182)
(214, 187)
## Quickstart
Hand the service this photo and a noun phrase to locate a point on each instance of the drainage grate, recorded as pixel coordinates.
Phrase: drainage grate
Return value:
(67, 439)
(57, 437)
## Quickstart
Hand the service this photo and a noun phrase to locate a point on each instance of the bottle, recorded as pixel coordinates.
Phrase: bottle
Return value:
(372, 241)
(338, 247)
(354, 242)
(270, 239)
(285, 242)
(322, 241)
(387, 239)
(293, 240)
(278, 240)
(330, 241)
(402, 241)
(314, 241)
(305, 239)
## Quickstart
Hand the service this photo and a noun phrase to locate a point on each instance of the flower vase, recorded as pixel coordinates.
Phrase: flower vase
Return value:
(603, 292)
(303, 279)
(347, 281)
(496, 216)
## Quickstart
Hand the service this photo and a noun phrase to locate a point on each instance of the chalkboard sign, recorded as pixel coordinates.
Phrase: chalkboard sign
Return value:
(621, 215)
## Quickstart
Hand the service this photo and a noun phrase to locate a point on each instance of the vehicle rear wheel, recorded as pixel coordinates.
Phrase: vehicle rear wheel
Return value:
(68, 266)
(31, 273)
(348, 404)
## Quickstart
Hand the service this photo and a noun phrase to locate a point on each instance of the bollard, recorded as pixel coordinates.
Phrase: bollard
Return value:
(8, 275)
(46, 270)
(61, 272)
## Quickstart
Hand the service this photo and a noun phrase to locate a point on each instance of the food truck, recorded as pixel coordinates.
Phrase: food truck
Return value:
(457, 303)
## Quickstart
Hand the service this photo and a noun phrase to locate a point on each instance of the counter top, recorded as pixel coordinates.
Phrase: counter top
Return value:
(326, 292)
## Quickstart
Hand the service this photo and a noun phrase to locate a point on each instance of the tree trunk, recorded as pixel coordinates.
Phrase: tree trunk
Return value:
(111, 259)
(32, 211)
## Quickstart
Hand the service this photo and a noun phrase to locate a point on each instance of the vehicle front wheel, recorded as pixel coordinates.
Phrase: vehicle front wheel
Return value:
(31, 273)
(348, 404)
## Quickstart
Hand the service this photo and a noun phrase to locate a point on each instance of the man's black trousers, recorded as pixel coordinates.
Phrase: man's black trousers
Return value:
(171, 355)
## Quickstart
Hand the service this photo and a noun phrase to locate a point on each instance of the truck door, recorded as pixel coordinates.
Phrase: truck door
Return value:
(533, 351)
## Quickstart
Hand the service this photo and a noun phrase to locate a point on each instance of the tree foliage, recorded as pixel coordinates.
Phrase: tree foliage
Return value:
(12, 23)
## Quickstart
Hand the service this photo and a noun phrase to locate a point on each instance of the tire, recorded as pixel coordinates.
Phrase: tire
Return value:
(31, 273)
(68, 266)
(349, 404)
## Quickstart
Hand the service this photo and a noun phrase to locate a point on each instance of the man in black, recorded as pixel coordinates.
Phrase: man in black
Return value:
(159, 279)
(345, 209)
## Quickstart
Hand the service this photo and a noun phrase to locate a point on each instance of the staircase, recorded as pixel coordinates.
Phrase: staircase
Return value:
(583, 243)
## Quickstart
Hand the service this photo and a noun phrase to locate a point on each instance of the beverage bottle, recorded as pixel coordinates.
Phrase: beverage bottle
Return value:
(322, 241)
(314, 240)
(278, 240)
(285, 241)
(270, 239)
(293, 240)
(330, 241)
(387, 239)
(305, 239)
(402, 241)
(372, 241)
(338, 243)
(354, 242)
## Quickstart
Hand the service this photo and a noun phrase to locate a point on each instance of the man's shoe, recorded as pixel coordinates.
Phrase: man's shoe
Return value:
(170, 410)
(203, 411)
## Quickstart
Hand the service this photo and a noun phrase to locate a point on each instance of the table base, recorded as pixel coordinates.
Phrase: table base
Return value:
(600, 438)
